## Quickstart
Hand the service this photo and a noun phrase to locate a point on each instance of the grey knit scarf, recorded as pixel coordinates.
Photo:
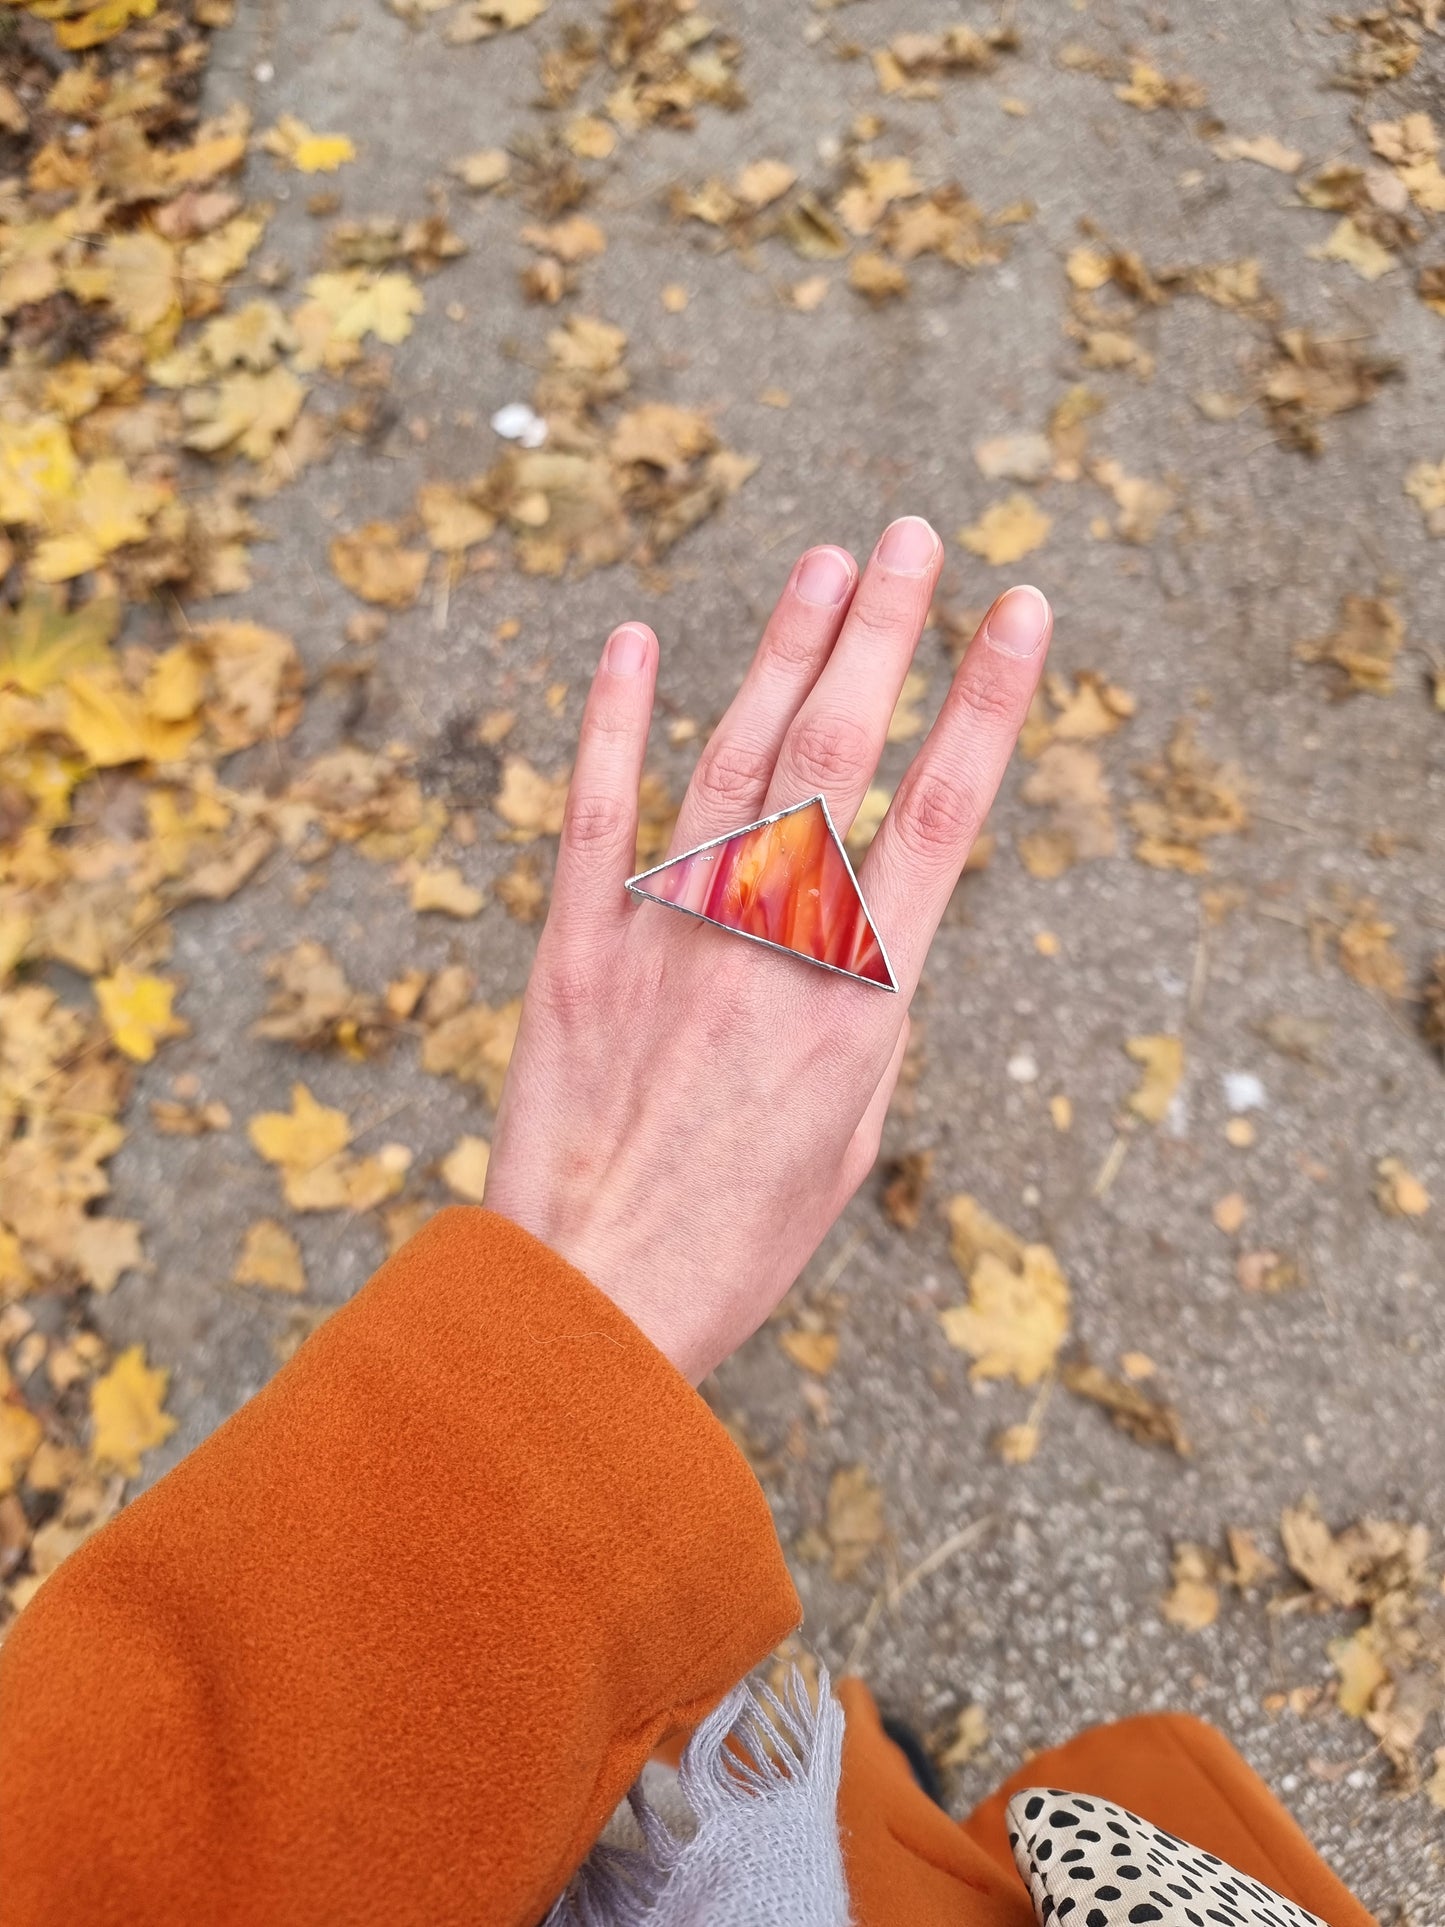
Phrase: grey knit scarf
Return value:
(750, 1833)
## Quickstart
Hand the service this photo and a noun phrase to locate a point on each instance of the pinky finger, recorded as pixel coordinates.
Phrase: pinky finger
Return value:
(599, 825)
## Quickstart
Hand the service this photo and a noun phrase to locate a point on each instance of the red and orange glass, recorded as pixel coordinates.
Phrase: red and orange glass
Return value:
(785, 882)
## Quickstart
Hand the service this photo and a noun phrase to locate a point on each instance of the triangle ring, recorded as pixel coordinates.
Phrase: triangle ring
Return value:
(784, 882)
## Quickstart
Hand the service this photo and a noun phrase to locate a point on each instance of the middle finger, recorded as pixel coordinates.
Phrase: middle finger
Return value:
(837, 736)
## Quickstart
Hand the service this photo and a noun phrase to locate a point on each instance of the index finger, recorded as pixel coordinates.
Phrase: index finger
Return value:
(923, 843)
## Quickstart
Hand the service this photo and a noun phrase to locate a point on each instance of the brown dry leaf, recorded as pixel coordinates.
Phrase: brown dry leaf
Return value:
(1266, 149)
(1425, 484)
(1069, 782)
(464, 1168)
(1007, 530)
(1367, 951)
(1193, 1601)
(1162, 1060)
(271, 1257)
(1149, 90)
(529, 803)
(1357, 248)
(374, 565)
(1398, 1192)
(1369, 637)
(1024, 457)
(969, 1739)
(761, 183)
(483, 170)
(905, 1185)
(1194, 800)
(1250, 1565)
(875, 276)
(1362, 1672)
(1364, 1563)
(474, 1046)
(1017, 1316)
(521, 891)
(812, 230)
(1266, 1273)
(855, 1519)
(1314, 378)
(453, 522)
(1143, 504)
(1151, 1421)
(815, 1352)
(442, 887)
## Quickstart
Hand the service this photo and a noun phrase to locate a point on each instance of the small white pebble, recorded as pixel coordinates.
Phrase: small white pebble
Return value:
(1243, 1091)
(264, 72)
(1032, 1196)
(1023, 1068)
(518, 421)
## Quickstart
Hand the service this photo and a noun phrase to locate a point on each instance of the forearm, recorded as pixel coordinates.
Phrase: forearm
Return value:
(394, 1641)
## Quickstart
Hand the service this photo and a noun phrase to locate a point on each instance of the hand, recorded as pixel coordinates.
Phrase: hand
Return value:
(686, 1113)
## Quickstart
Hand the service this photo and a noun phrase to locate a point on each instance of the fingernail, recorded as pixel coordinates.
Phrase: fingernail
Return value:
(626, 651)
(824, 577)
(1018, 622)
(908, 546)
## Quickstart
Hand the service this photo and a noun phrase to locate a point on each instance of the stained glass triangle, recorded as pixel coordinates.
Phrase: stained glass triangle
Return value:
(785, 882)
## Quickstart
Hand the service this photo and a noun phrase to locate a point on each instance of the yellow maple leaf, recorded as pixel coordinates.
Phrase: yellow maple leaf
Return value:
(246, 410)
(110, 724)
(1016, 1318)
(322, 153)
(107, 509)
(345, 305)
(125, 1407)
(1357, 249)
(293, 142)
(137, 1012)
(38, 470)
(303, 1137)
(1163, 1060)
(1007, 530)
(141, 279)
(42, 641)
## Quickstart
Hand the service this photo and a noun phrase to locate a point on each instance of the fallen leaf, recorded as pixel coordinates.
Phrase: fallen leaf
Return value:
(1266, 149)
(137, 1012)
(1007, 530)
(1150, 1420)
(125, 1408)
(374, 565)
(905, 1184)
(293, 142)
(1398, 1192)
(444, 888)
(815, 1352)
(530, 804)
(1026, 457)
(1362, 1672)
(969, 1739)
(1369, 637)
(483, 170)
(855, 1519)
(464, 1168)
(270, 1256)
(301, 1139)
(1017, 1315)
(474, 1046)
(1193, 1601)
(1162, 1059)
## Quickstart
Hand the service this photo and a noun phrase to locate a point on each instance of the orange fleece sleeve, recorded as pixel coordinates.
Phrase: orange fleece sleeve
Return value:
(392, 1643)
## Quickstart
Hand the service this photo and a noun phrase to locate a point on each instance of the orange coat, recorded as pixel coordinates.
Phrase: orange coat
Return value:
(391, 1645)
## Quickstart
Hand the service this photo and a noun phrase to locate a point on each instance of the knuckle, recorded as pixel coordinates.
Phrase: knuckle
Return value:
(597, 823)
(989, 702)
(732, 772)
(794, 642)
(937, 817)
(829, 749)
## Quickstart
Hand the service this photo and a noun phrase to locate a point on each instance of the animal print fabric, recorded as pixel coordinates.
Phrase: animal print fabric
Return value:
(1087, 1863)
